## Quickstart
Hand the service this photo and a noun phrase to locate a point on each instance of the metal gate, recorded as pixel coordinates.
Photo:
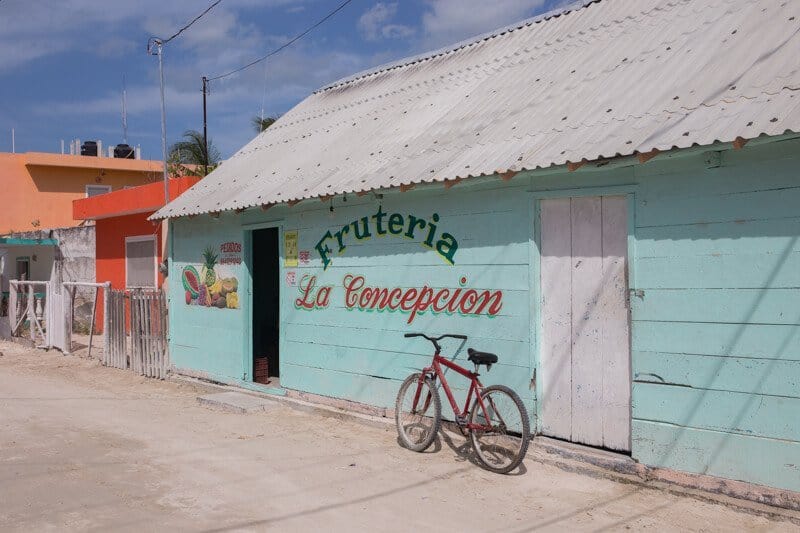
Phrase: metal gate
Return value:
(149, 333)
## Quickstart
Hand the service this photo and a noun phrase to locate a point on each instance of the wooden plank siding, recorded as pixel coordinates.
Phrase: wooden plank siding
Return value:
(716, 323)
(714, 259)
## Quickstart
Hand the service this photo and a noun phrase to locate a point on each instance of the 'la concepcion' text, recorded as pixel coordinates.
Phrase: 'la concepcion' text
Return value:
(410, 300)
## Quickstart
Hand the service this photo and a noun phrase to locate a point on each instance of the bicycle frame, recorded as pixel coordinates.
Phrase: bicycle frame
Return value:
(475, 386)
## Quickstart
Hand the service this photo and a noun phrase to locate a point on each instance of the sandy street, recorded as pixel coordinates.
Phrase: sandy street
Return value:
(83, 447)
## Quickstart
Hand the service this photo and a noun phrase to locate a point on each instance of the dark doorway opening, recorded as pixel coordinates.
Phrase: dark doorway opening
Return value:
(266, 303)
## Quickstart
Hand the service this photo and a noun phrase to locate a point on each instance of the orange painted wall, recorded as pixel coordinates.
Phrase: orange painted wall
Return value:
(110, 247)
(43, 190)
(112, 229)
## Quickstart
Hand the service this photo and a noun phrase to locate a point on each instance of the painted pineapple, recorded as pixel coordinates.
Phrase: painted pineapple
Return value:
(210, 259)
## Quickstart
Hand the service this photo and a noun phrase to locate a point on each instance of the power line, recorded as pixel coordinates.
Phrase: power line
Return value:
(198, 17)
(283, 46)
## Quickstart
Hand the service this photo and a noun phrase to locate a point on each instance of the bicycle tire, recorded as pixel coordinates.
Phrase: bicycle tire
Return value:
(520, 436)
(403, 429)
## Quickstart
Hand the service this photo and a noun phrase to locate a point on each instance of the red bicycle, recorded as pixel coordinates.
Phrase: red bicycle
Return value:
(497, 423)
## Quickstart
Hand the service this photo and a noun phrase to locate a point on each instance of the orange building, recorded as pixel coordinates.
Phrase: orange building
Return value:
(38, 188)
(128, 246)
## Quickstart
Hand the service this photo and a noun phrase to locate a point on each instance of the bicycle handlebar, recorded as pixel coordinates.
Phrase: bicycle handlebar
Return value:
(435, 340)
(440, 337)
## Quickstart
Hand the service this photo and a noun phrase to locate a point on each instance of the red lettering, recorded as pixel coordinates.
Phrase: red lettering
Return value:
(469, 298)
(422, 303)
(395, 295)
(493, 299)
(352, 286)
(441, 295)
(407, 299)
(306, 287)
(324, 296)
(363, 300)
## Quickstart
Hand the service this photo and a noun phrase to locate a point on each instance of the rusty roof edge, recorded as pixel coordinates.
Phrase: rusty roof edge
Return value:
(618, 161)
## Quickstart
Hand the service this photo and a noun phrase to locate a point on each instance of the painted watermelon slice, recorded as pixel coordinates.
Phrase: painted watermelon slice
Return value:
(191, 281)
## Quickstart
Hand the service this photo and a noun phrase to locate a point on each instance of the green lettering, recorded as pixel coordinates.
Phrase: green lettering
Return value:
(340, 234)
(447, 246)
(413, 222)
(431, 231)
(379, 221)
(396, 223)
(364, 233)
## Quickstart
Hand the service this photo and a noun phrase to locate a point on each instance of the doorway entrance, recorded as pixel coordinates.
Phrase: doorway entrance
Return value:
(266, 304)
(585, 345)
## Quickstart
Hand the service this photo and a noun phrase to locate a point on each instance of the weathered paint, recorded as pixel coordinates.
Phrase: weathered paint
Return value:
(714, 269)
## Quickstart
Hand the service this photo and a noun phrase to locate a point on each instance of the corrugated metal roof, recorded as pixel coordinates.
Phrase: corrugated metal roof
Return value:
(612, 78)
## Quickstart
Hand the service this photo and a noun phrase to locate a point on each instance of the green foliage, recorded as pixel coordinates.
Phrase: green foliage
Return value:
(189, 157)
(262, 123)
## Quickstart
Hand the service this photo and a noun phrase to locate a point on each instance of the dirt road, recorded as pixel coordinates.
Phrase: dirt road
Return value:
(83, 447)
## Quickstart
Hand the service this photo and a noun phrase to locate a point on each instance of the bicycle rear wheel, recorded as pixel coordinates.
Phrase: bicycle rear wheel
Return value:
(502, 444)
(418, 425)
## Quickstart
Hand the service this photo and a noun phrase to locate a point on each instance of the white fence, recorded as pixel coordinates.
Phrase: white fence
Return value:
(48, 314)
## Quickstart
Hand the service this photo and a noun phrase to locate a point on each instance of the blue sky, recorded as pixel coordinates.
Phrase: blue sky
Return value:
(62, 61)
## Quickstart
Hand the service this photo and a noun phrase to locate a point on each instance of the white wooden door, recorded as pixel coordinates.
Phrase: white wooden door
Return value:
(585, 348)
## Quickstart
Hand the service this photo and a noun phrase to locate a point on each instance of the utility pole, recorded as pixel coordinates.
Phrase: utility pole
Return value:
(155, 47)
(205, 124)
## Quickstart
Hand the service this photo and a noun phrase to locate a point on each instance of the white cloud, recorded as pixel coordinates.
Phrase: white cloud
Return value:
(374, 23)
(450, 21)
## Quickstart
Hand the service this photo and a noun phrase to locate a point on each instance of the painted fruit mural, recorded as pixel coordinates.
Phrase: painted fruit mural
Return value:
(213, 283)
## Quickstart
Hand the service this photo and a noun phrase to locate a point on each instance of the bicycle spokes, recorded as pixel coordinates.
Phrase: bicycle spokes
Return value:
(499, 430)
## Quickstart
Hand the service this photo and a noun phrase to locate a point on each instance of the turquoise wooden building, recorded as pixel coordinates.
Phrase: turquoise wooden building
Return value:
(608, 198)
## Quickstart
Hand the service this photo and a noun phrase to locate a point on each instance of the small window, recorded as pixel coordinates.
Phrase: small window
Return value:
(23, 269)
(94, 190)
(140, 261)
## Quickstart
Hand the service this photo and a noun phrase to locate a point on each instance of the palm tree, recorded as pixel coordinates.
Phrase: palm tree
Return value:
(262, 123)
(189, 156)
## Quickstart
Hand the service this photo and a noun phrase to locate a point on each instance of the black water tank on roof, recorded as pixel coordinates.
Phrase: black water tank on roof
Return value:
(89, 148)
(123, 151)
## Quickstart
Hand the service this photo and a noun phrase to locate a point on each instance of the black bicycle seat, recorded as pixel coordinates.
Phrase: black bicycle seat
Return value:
(481, 358)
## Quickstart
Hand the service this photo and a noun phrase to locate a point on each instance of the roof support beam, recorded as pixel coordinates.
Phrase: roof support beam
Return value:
(292, 203)
(214, 214)
(407, 187)
(264, 207)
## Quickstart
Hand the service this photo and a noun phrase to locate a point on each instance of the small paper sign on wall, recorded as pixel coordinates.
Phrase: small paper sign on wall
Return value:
(290, 248)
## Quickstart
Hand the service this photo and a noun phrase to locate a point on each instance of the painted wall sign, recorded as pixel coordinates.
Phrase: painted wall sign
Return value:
(290, 248)
(395, 224)
(214, 284)
(414, 301)
(230, 253)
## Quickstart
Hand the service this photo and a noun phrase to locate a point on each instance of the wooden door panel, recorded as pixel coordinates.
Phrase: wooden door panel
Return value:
(585, 349)
(556, 379)
(615, 341)
(587, 360)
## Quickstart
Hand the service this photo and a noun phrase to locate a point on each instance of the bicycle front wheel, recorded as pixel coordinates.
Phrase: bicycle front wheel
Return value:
(502, 440)
(417, 422)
